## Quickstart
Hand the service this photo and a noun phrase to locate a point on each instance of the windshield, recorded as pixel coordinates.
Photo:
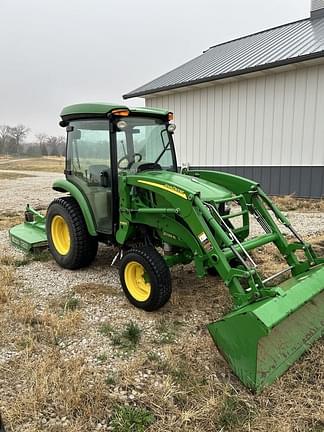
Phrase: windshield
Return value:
(142, 140)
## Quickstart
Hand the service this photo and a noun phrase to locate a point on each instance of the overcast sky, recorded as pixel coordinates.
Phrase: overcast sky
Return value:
(58, 52)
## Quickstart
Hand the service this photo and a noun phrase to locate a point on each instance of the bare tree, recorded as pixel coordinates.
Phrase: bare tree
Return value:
(4, 137)
(42, 141)
(52, 146)
(55, 145)
(61, 145)
(18, 133)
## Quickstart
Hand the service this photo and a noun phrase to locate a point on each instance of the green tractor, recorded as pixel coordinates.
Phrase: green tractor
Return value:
(124, 189)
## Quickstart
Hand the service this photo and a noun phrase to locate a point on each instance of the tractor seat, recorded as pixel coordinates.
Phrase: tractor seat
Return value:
(95, 175)
(149, 166)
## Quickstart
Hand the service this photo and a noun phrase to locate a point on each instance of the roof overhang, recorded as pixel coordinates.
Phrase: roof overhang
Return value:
(103, 109)
(276, 67)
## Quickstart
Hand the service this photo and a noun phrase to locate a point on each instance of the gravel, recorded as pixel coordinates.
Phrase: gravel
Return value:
(53, 280)
(306, 224)
(36, 191)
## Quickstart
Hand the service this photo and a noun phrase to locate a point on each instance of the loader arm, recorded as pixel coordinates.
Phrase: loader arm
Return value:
(196, 227)
(236, 184)
(272, 323)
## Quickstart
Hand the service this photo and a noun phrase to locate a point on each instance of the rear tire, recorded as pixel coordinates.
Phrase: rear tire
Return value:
(68, 239)
(145, 278)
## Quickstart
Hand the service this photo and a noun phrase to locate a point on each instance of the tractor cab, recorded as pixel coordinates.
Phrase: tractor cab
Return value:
(105, 141)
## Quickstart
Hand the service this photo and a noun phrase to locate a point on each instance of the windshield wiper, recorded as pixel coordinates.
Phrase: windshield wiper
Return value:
(164, 149)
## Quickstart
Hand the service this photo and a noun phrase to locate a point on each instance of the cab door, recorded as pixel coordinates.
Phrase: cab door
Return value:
(88, 166)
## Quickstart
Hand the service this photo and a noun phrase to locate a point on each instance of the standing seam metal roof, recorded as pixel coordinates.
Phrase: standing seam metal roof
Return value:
(289, 43)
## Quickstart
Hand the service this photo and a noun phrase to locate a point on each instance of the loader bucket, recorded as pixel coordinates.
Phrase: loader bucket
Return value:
(263, 339)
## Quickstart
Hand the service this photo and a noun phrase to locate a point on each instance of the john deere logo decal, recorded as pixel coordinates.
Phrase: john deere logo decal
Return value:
(166, 187)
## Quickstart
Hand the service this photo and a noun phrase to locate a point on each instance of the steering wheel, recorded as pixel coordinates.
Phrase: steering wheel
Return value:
(140, 157)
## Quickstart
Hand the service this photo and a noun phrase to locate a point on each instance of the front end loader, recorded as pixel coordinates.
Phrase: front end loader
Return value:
(124, 189)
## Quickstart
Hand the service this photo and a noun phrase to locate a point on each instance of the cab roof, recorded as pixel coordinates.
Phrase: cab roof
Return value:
(104, 108)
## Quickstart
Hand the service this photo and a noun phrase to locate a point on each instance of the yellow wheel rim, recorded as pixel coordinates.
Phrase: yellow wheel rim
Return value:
(60, 235)
(136, 284)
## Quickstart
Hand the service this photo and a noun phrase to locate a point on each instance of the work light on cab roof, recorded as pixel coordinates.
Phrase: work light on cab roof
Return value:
(123, 189)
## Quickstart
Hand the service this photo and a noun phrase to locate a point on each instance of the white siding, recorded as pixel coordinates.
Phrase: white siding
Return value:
(271, 120)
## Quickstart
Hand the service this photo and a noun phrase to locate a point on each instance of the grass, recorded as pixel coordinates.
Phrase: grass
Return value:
(70, 303)
(7, 279)
(131, 419)
(167, 331)
(95, 290)
(132, 333)
(67, 388)
(102, 358)
(291, 203)
(111, 380)
(11, 175)
(234, 412)
(46, 164)
(9, 260)
(105, 329)
(43, 327)
(127, 339)
(9, 219)
(153, 356)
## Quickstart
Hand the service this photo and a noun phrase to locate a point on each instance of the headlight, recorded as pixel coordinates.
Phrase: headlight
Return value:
(121, 124)
(172, 127)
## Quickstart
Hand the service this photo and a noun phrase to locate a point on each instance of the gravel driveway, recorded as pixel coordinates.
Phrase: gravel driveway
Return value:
(36, 190)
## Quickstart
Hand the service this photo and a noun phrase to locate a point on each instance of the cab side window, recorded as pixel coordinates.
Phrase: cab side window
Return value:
(89, 152)
(89, 167)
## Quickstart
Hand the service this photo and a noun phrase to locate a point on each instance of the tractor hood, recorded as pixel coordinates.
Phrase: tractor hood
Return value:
(182, 185)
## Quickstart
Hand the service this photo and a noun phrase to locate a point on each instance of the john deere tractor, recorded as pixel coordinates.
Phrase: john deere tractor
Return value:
(123, 188)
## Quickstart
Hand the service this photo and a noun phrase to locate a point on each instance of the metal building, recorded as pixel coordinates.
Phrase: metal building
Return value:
(253, 106)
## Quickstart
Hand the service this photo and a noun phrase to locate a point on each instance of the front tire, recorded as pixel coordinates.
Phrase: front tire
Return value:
(145, 278)
(68, 239)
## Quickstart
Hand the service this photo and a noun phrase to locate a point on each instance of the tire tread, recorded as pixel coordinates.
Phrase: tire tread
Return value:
(85, 246)
(161, 271)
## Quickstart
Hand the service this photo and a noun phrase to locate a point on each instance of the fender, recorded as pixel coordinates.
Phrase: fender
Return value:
(66, 186)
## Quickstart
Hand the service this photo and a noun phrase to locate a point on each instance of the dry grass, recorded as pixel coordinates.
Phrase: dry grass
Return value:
(6, 280)
(66, 391)
(39, 381)
(95, 290)
(46, 164)
(12, 176)
(9, 219)
(39, 329)
(291, 203)
(178, 379)
(193, 390)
